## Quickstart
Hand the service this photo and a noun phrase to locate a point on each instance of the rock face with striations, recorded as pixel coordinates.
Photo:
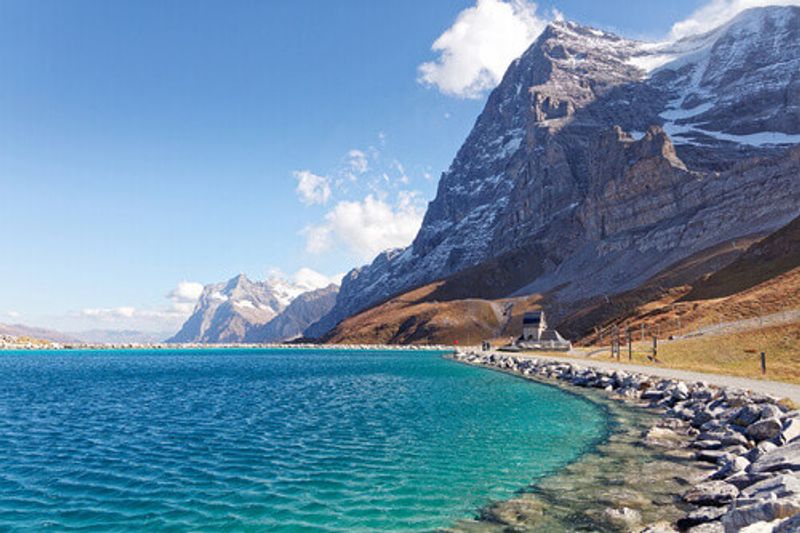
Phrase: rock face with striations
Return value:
(612, 159)
(241, 310)
(303, 311)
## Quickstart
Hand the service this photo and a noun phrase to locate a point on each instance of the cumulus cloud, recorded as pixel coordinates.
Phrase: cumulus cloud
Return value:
(182, 300)
(476, 50)
(717, 12)
(310, 279)
(184, 296)
(312, 189)
(366, 228)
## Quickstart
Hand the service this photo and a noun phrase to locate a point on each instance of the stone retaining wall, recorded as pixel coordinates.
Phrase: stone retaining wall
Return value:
(752, 441)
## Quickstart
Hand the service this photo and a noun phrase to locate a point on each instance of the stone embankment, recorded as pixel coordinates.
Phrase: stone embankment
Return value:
(45, 345)
(751, 443)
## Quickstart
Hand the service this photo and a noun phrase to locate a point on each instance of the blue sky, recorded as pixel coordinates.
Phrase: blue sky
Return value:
(147, 143)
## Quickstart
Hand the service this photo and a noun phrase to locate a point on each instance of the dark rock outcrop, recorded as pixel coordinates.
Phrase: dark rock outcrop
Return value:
(610, 171)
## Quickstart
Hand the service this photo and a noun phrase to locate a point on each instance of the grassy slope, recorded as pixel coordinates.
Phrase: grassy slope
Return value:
(417, 317)
(730, 282)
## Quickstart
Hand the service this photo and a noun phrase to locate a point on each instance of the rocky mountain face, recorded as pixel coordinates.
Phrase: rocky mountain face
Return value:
(607, 159)
(290, 323)
(241, 310)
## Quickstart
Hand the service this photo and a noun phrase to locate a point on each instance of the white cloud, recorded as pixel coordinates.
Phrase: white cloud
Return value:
(717, 12)
(310, 279)
(476, 50)
(368, 227)
(112, 313)
(312, 189)
(185, 296)
(186, 291)
(13, 314)
(182, 300)
(357, 160)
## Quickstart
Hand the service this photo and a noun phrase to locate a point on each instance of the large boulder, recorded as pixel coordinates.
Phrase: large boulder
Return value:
(780, 458)
(713, 493)
(779, 486)
(754, 511)
(766, 429)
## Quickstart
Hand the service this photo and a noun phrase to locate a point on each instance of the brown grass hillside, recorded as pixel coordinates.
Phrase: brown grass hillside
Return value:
(762, 280)
(416, 317)
(734, 281)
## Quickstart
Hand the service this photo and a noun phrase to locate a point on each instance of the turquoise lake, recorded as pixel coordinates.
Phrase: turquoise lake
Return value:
(278, 440)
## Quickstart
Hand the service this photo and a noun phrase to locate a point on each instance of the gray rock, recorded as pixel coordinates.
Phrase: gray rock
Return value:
(780, 486)
(713, 493)
(624, 517)
(791, 430)
(764, 429)
(755, 511)
(731, 467)
(700, 516)
(681, 391)
(702, 417)
(770, 410)
(709, 527)
(711, 456)
(747, 415)
(652, 395)
(791, 525)
(707, 444)
(742, 480)
(779, 458)
(663, 437)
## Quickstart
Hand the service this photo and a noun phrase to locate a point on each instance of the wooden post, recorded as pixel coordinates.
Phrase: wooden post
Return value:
(763, 363)
(642, 331)
(655, 347)
(630, 346)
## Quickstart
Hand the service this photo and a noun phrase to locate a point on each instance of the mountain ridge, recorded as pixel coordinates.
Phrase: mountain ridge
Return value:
(241, 310)
(610, 169)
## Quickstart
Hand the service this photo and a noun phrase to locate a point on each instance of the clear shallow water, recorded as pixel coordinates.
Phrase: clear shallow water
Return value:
(271, 439)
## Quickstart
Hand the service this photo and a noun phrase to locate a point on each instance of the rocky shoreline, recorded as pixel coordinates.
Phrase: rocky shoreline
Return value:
(748, 444)
(45, 345)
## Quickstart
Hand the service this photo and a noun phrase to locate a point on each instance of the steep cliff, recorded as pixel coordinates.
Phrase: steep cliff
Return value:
(608, 159)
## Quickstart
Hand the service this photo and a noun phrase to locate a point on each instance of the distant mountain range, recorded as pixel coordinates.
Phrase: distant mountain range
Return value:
(121, 336)
(241, 310)
(20, 330)
(598, 164)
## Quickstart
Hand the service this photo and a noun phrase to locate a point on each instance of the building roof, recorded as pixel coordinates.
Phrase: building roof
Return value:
(533, 317)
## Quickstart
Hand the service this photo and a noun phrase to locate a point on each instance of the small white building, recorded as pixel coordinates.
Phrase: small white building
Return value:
(534, 325)
(537, 336)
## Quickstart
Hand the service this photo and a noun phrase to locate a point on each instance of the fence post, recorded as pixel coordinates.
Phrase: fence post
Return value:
(763, 363)
(655, 347)
(630, 346)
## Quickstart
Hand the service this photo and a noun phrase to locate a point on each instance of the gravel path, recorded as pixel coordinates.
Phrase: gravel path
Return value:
(775, 388)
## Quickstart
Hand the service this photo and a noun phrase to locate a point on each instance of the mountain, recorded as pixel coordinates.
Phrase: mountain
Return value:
(303, 311)
(124, 336)
(20, 330)
(241, 310)
(599, 161)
